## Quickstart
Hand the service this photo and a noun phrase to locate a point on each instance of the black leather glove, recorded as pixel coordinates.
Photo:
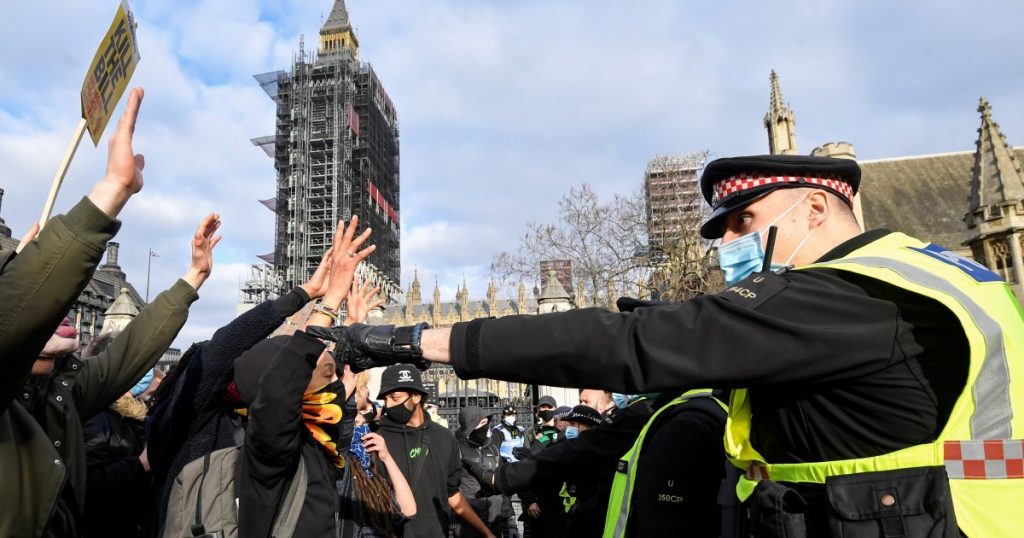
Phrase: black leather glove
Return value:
(521, 452)
(477, 471)
(364, 346)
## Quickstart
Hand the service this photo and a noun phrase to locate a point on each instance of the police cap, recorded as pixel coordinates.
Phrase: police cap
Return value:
(734, 182)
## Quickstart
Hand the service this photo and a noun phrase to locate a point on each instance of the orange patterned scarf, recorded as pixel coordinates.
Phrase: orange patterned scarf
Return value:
(322, 417)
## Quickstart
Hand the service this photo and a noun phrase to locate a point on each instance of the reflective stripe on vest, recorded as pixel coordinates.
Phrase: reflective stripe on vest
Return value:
(620, 498)
(980, 441)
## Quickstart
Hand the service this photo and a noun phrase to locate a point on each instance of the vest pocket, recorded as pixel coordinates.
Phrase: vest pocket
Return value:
(891, 504)
(777, 511)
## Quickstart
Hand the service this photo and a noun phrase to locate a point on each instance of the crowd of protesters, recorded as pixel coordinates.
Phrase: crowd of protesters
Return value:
(269, 428)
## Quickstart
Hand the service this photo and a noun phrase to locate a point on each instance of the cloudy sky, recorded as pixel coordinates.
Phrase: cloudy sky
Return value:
(503, 106)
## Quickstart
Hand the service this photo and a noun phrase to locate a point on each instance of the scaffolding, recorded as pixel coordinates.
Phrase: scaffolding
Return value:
(336, 154)
(261, 284)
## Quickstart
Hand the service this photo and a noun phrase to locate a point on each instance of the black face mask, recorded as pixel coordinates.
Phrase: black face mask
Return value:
(478, 436)
(399, 412)
(348, 420)
(370, 415)
(545, 415)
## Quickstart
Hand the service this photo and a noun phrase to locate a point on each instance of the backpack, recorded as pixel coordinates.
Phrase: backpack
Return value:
(203, 502)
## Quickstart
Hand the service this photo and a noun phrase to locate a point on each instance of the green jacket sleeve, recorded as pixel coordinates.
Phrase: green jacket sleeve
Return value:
(137, 348)
(39, 286)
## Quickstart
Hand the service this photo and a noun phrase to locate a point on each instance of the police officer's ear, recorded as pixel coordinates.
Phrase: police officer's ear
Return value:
(820, 206)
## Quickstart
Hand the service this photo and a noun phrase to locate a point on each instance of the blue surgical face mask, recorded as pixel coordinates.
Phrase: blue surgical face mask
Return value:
(744, 255)
(572, 432)
(622, 400)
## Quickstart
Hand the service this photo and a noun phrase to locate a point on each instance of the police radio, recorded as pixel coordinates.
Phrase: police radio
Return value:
(769, 248)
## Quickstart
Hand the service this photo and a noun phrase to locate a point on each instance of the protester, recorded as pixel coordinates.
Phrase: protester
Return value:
(601, 400)
(194, 410)
(508, 434)
(543, 415)
(45, 392)
(479, 447)
(365, 421)
(120, 498)
(297, 379)
(866, 354)
(427, 454)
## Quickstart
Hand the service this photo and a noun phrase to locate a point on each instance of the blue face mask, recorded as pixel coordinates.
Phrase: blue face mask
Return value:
(744, 255)
(572, 432)
(622, 400)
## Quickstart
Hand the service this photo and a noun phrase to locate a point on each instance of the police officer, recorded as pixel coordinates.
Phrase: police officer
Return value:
(510, 435)
(668, 483)
(877, 374)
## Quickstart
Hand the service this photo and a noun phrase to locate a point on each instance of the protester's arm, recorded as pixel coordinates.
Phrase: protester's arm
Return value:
(403, 493)
(274, 437)
(144, 340)
(461, 507)
(39, 285)
(717, 340)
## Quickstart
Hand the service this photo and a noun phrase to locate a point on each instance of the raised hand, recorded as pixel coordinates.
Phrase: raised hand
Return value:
(124, 166)
(316, 286)
(345, 259)
(202, 251)
(361, 300)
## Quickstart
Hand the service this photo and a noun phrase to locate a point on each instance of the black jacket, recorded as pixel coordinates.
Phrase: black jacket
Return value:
(489, 504)
(428, 456)
(120, 497)
(839, 366)
(194, 419)
(680, 472)
(275, 440)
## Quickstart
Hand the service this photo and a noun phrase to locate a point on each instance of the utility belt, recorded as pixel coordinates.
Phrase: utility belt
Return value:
(904, 502)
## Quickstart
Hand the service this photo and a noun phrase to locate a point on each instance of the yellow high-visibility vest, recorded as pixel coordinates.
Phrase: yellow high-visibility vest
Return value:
(980, 444)
(620, 498)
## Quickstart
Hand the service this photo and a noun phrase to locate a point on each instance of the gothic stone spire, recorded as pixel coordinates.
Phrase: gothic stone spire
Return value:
(996, 177)
(780, 122)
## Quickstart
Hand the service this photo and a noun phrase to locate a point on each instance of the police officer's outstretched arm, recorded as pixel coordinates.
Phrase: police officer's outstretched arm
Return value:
(771, 331)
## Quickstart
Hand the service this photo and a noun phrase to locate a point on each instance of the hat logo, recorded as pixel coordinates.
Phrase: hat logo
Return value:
(404, 376)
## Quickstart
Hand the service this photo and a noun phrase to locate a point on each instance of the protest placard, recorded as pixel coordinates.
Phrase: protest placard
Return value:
(111, 69)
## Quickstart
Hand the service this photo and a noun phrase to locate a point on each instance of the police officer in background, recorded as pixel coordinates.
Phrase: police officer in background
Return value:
(668, 483)
(510, 435)
(878, 376)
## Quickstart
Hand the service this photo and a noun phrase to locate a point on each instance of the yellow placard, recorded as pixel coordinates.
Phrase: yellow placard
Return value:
(110, 71)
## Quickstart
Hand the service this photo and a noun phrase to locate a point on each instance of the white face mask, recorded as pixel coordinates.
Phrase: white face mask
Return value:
(510, 419)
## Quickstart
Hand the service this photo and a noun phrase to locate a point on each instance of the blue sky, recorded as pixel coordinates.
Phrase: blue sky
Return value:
(503, 106)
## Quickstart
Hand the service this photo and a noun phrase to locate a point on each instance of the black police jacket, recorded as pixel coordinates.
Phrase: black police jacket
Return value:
(838, 365)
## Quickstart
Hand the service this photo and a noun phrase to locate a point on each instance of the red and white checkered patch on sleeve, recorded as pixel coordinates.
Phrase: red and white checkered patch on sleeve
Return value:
(740, 183)
(986, 459)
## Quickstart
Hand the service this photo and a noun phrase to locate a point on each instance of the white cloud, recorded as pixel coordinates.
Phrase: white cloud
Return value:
(503, 106)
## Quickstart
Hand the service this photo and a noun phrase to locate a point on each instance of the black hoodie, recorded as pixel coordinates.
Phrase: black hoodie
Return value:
(428, 456)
